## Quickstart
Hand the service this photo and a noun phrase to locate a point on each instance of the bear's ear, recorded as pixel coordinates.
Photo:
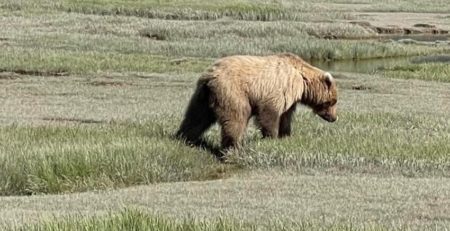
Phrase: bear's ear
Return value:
(328, 79)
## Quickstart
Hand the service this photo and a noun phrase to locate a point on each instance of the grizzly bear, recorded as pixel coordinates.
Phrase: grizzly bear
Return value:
(235, 88)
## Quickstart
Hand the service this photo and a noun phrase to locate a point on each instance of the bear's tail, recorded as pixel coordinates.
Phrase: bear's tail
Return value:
(199, 115)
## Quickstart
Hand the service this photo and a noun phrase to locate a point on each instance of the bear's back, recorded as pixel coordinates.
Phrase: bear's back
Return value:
(250, 68)
(259, 78)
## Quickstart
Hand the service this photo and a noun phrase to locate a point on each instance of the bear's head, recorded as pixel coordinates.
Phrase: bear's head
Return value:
(321, 95)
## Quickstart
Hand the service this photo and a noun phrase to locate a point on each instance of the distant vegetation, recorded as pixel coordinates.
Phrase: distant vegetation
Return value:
(428, 71)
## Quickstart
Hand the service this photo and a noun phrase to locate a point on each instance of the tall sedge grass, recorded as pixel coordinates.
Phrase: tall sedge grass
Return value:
(190, 55)
(426, 71)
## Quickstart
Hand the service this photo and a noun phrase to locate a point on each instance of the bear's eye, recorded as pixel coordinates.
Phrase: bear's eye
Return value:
(328, 104)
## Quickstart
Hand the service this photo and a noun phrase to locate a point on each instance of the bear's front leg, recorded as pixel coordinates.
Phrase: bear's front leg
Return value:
(232, 133)
(285, 122)
(233, 121)
(269, 120)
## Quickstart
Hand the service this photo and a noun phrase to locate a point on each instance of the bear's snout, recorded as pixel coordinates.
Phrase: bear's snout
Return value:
(332, 119)
(329, 118)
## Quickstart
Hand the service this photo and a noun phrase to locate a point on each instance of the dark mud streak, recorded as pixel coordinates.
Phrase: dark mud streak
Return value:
(109, 83)
(361, 88)
(8, 76)
(35, 72)
(153, 36)
(60, 119)
(55, 94)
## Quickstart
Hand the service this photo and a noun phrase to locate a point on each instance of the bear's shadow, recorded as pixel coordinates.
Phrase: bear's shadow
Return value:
(214, 150)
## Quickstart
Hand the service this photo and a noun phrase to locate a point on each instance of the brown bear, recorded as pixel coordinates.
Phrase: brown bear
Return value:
(235, 88)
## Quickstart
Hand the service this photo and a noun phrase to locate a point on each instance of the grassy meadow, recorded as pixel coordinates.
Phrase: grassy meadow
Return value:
(92, 92)
(136, 220)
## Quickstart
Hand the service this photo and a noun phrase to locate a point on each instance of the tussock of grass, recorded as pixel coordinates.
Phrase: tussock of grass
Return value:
(205, 10)
(426, 71)
(176, 30)
(410, 144)
(239, 11)
(67, 159)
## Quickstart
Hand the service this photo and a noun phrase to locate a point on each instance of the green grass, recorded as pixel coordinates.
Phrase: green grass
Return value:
(63, 62)
(426, 71)
(120, 58)
(265, 198)
(56, 41)
(239, 11)
(360, 142)
(81, 54)
(67, 159)
(183, 10)
(261, 10)
(135, 220)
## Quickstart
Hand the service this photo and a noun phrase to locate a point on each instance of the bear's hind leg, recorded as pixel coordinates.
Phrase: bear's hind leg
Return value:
(269, 120)
(198, 118)
(285, 122)
(196, 128)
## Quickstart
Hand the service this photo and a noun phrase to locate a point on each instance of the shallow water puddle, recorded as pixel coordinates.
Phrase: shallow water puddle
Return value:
(372, 65)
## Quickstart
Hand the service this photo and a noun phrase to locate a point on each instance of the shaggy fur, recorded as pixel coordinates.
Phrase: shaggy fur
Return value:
(236, 88)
